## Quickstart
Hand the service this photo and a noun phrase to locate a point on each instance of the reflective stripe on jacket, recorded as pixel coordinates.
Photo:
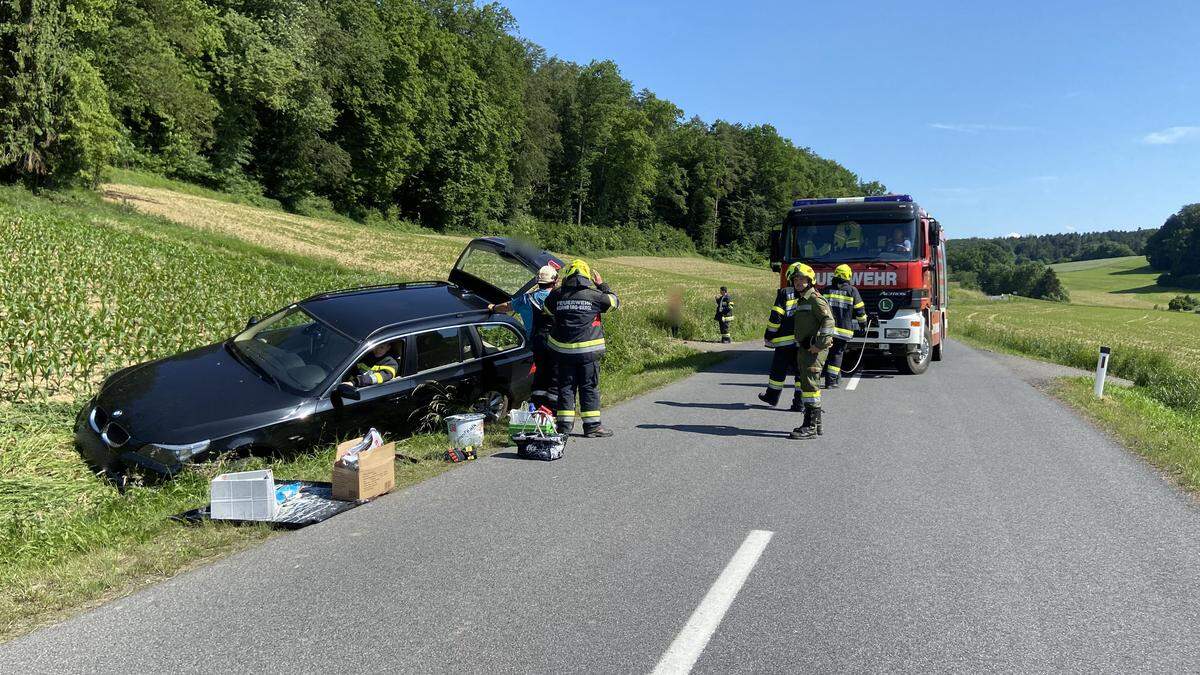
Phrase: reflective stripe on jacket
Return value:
(383, 369)
(576, 306)
(780, 332)
(847, 307)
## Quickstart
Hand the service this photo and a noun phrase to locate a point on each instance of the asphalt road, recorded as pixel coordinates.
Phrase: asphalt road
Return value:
(956, 521)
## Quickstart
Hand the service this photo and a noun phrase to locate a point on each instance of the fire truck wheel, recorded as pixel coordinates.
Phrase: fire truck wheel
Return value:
(916, 362)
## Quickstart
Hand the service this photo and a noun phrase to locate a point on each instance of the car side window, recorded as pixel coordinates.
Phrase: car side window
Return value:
(497, 338)
(394, 353)
(437, 348)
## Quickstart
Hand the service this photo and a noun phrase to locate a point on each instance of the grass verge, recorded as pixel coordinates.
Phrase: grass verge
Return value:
(1168, 438)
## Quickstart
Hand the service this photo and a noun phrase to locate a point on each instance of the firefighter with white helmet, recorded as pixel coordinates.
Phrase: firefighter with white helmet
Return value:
(848, 311)
(531, 308)
(814, 328)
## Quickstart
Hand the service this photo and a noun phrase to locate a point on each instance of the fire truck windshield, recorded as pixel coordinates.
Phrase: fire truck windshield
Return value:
(843, 240)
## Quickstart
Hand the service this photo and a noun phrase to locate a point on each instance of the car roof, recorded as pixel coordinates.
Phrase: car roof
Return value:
(361, 312)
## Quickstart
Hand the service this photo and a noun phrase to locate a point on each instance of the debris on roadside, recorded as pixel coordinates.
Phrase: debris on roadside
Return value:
(364, 468)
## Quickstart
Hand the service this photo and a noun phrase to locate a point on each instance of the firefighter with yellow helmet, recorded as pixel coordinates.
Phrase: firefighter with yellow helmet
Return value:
(577, 338)
(848, 311)
(780, 337)
(814, 328)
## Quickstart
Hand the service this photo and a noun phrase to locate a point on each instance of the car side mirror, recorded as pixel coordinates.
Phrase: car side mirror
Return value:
(345, 392)
(935, 233)
(251, 321)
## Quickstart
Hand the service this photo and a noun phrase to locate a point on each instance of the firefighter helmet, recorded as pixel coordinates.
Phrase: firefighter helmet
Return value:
(843, 272)
(803, 270)
(578, 266)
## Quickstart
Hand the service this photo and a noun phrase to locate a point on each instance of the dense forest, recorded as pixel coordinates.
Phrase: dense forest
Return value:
(433, 111)
(1020, 265)
(1175, 249)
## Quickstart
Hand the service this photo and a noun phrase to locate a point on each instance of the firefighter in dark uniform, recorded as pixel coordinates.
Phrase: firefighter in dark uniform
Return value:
(814, 329)
(848, 311)
(781, 337)
(577, 338)
(377, 367)
(724, 315)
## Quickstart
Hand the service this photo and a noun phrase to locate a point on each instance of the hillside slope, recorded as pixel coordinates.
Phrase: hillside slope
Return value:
(1119, 282)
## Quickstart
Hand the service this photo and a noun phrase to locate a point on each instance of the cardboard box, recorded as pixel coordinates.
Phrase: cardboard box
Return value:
(375, 474)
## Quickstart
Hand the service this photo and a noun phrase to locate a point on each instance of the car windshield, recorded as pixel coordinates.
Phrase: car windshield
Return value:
(489, 266)
(294, 349)
(848, 239)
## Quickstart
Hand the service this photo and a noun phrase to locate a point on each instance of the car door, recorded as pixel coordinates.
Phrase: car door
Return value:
(498, 269)
(445, 368)
(507, 360)
(386, 406)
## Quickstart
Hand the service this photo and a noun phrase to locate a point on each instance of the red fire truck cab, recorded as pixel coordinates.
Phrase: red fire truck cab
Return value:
(898, 255)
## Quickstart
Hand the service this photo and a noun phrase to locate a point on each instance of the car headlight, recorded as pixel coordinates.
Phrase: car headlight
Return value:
(896, 333)
(184, 452)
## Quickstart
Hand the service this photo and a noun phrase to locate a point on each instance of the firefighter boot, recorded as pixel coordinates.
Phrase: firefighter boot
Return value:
(770, 397)
(831, 381)
(797, 403)
(806, 430)
(816, 420)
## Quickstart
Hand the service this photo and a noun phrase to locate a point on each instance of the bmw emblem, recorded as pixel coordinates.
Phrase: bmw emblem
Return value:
(885, 305)
(118, 413)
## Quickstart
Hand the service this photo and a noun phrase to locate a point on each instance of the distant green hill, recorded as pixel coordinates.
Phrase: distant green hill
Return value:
(1116, 282)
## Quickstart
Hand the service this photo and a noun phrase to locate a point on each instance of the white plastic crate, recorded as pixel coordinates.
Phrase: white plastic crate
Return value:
(246, 495)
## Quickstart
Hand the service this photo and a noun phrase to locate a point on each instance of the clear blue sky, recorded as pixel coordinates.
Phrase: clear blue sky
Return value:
(999, 117)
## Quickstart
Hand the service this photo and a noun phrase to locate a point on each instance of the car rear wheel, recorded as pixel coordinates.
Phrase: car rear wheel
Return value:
(493, 404)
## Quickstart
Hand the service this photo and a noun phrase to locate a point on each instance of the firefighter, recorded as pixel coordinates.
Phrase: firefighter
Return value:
(529, 306)
(724, 315)
(577, 340)
(813, 325)
(848, 311)
(377, 367)
(781, 337)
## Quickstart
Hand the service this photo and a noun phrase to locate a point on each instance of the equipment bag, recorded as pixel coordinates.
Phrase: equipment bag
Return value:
(543, 447)
(541, 443)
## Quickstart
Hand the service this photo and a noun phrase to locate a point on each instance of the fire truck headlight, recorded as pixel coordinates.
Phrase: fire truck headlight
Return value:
(896, 333)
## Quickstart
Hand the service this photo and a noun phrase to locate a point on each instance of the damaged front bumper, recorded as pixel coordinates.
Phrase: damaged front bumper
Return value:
(131, 455)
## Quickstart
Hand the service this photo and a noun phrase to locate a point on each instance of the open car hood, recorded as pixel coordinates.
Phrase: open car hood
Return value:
(499, 268)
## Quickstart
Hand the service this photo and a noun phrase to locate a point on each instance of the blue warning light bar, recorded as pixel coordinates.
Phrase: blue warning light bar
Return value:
(851, 200)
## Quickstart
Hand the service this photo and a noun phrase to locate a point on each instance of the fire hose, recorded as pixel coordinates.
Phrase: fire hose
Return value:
(863, 350)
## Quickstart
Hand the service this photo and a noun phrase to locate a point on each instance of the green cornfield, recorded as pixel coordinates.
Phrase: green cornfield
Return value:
(83, 297)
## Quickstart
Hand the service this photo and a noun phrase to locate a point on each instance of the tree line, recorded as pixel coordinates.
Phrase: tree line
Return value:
(1175, 249)
(433, 111)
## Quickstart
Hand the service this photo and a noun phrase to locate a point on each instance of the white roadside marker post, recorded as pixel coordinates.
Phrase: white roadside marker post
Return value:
(1101, 371)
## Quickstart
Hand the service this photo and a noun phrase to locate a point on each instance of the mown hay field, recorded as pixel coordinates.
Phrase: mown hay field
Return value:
(1117, 282)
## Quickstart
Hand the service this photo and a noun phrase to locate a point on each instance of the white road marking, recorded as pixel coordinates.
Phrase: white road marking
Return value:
(853, 383)
(689, 644)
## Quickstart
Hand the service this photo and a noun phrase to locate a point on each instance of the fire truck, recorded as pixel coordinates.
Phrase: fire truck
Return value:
(897, 252)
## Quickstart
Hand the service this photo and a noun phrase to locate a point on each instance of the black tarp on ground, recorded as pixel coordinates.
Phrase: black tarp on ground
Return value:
(315, 503)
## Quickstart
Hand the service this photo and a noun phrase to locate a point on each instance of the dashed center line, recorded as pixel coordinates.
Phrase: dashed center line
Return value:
(689, 644)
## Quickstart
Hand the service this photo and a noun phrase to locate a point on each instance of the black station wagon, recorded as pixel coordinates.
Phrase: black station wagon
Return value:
(281, 385)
